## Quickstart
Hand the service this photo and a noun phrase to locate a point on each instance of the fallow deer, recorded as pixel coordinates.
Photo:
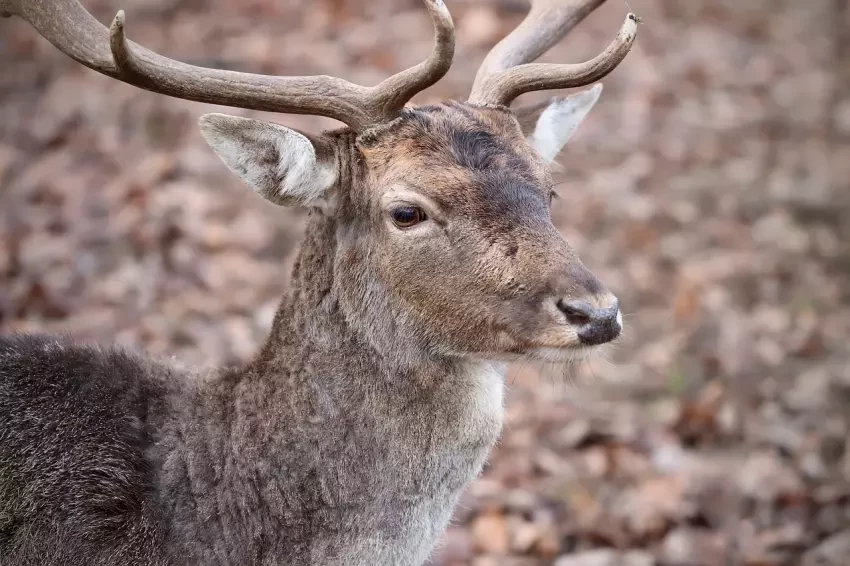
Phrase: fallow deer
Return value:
(429, 261)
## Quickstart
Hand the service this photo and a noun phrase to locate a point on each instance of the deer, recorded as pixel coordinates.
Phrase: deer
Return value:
(428, 263)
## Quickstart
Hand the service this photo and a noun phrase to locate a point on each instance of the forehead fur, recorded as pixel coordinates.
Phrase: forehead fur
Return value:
(450, 147)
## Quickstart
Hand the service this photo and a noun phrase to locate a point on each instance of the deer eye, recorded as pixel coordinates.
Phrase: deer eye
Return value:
(407, 216)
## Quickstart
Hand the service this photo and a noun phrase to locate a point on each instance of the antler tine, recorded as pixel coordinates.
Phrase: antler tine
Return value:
(68, 26)
(544, 26)
(507, 71)
(393, 93)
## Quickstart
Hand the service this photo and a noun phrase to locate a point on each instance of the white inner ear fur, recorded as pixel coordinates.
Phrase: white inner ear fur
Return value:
(279, 163)
(560, 120)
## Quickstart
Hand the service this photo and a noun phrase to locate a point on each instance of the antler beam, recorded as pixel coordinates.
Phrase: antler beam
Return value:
(507, 72)
(68, 26)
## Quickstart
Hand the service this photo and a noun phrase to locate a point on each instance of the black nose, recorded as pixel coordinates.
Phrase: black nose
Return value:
(595, 325)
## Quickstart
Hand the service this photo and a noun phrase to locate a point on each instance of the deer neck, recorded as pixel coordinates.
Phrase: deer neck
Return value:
(342, 413)
(340, 347)
(340, 357)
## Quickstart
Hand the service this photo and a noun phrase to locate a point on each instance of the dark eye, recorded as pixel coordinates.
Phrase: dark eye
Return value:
(552, 195)
(407, 216)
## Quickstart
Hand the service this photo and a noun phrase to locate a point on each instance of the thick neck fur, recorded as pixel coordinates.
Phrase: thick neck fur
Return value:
(346, 441)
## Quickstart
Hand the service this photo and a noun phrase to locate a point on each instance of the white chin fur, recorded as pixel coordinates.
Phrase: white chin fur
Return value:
(575, 354)
(562, 355)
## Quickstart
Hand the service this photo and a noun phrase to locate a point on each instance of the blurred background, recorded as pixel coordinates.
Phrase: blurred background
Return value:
(709, 189)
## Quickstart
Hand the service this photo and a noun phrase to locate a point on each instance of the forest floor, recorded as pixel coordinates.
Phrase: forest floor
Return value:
(709, 189)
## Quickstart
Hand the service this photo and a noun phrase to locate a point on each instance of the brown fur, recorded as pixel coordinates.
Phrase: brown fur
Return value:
(350, 437)
(473, 284)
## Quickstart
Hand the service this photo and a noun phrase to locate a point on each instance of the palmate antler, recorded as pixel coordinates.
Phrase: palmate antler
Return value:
(68, 26)
(507, 72)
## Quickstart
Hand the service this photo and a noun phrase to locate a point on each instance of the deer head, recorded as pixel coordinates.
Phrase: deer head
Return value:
(439, 215)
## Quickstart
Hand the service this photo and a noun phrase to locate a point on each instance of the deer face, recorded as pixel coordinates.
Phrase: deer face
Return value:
(445, 228)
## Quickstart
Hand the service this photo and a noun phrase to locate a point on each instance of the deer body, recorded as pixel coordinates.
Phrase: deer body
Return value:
(360, 489)
(318, 452)
(429, 260)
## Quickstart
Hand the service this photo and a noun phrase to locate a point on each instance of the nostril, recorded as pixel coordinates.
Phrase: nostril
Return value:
(578, 313)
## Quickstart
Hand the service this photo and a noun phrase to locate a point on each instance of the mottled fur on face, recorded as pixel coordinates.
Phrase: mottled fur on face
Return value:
(483, 274)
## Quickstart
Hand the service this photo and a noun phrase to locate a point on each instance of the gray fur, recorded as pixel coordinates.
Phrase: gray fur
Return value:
(349, 438)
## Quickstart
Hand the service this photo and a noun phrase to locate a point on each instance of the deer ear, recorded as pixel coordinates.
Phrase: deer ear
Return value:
(556, 121)
(284, 166)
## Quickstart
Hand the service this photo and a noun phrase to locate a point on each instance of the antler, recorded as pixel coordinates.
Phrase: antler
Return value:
(68, 26)
(507, 72)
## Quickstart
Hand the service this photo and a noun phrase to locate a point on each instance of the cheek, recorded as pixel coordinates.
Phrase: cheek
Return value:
(438, 275)
(496, 267)
(425, 280)
(413, 266)
(501, 266)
